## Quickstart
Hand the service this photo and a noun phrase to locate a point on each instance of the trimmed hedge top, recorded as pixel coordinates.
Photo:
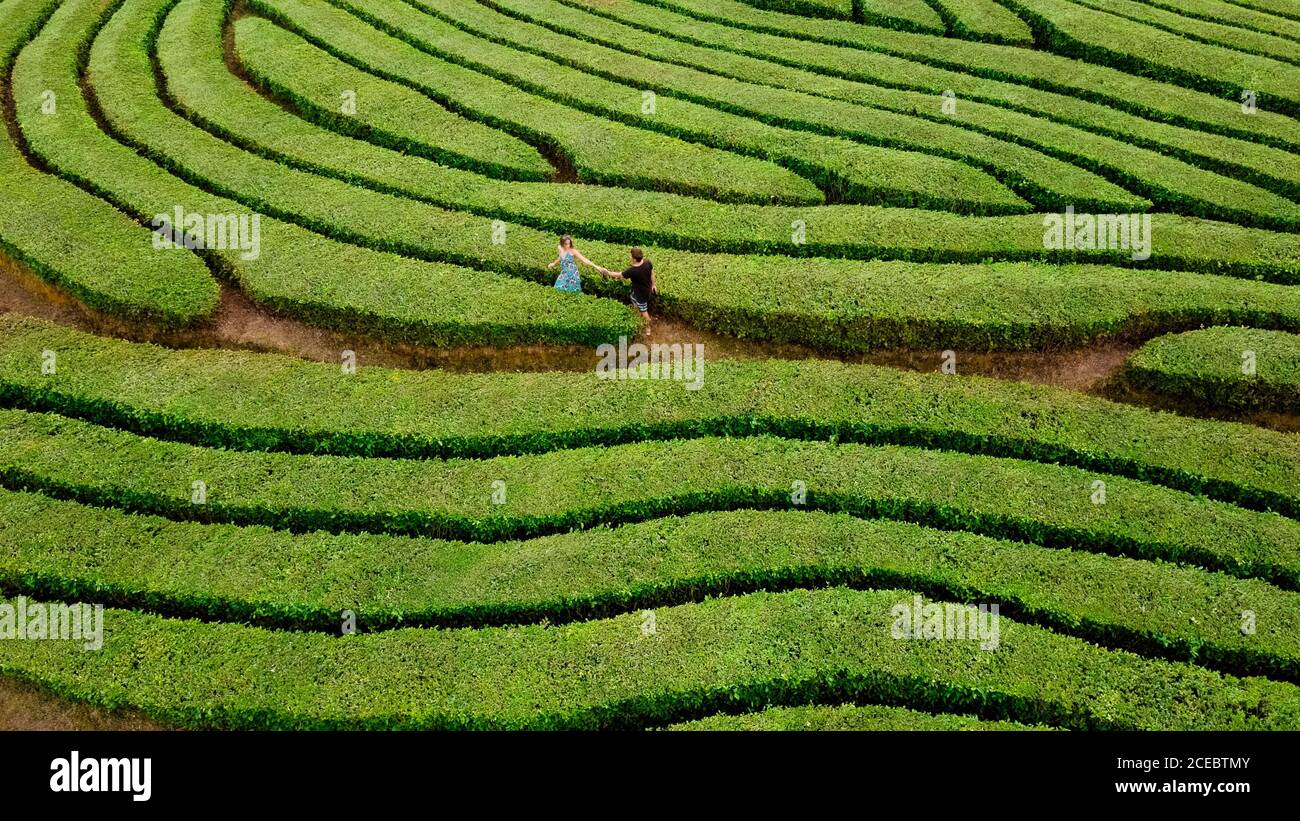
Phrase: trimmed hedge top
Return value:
(246, 400)
(524, 496)
(304, 581)
(732, 654)
(1241, 368)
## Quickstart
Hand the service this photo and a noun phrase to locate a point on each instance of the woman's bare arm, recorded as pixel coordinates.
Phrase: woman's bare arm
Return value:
(584, 260)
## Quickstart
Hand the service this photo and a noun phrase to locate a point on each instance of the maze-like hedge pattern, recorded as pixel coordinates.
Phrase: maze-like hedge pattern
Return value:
(502, 538)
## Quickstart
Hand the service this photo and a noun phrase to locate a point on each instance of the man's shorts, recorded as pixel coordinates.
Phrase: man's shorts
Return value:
(643, 307)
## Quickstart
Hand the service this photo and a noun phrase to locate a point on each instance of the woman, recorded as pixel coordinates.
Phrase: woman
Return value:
(568, 280)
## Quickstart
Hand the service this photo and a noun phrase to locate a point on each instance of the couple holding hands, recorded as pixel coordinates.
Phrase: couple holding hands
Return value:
(640, 274)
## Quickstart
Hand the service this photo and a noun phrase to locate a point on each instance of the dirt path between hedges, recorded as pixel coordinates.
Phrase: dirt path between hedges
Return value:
(241, 324)
(26, 707)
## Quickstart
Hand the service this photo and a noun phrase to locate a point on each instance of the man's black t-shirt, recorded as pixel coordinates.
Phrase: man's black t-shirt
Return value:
(639, 276)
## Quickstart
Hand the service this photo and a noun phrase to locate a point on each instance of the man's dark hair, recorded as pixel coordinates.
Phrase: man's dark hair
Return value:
(638, 254)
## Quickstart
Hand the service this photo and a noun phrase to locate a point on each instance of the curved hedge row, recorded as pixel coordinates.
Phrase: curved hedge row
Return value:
(1078, 31)
(1212, 32)
(1136, 152)
(535, 56)
(1220, 11)
(247, 401)
(845, 717)
(1168, 182)
(67, 236)
(1072, 81)
(408, 122)
(399, 119)
(725, 655)
(1177, 242)
(838, 308)
(562, 490)
(297, 272)
(984, 20)
(94, 252)
(305, 581)
(1235, 368)
(1282, 8)
(405, 226)
(304, 75)
(602, 151)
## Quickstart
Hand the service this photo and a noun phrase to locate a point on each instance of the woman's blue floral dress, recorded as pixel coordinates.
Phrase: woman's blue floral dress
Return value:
(568, 280)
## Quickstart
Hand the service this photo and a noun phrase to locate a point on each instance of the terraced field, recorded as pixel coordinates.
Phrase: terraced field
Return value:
(836, 195)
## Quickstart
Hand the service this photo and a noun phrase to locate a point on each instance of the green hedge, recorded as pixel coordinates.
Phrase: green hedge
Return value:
(97, 254)
(1210, 33)
(392, 224)
(1210, 367)
(1270, 168)
(548, 31)
(1077, 81)
(271, 578)
(908, 15)
(298, 272)
(835, 9)
(1168, 181)
(1097, 37)
(840, 305)
(984, 20)
(207, 92)
(725, 655)
(67, 236)
(1219, 11)
(387, 114)
(602, 151)
(1023, 164)
(568, 489)
(1121, 158)
(853, 172)
(1282, 8)
(252, 401)
(845, 717)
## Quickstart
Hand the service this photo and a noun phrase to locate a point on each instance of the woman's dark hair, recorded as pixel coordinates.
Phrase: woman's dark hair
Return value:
(566, 241)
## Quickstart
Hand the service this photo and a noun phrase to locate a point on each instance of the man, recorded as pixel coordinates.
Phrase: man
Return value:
(641, 275)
